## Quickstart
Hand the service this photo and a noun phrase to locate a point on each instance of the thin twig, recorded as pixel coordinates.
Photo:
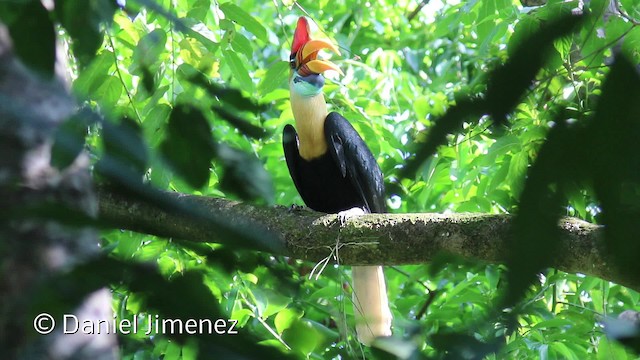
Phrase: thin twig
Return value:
(425, 306)
(174, 68)
(622, 13)
(415, 12)
(115, 61)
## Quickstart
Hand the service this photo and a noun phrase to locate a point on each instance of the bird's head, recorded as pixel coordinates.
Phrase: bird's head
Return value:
(306, 69)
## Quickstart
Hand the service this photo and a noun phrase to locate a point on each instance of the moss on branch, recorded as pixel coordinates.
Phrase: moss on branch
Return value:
(389, 239)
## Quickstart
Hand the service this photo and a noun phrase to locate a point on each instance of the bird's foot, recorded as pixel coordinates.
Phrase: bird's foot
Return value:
(345, 215)
(295, 207)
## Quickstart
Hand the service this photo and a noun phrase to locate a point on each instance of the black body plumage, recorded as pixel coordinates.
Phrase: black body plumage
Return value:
(346, 176)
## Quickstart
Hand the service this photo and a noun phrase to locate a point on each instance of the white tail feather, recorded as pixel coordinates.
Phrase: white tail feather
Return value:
(370, 302)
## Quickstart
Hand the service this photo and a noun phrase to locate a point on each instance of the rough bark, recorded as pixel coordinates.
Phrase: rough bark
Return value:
(32, 250)
(389, 239)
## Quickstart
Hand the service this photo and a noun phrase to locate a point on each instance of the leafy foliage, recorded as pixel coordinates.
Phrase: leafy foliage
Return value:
(479, 106)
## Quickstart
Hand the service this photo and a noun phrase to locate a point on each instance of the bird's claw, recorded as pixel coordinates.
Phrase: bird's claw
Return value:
(345, 215)
(295, 207)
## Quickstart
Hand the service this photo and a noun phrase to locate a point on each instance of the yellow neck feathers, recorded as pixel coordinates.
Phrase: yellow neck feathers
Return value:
(310, 113)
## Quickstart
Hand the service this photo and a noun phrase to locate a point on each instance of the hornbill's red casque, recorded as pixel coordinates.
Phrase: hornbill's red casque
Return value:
(334, 170)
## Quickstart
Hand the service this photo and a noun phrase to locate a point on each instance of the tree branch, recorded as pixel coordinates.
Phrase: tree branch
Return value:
(388, 239)
(415, 12)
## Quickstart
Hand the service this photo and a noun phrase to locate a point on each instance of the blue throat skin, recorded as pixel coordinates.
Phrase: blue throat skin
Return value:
(308, 86)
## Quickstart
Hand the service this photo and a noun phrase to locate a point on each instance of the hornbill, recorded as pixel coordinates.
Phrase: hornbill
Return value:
(334, 170)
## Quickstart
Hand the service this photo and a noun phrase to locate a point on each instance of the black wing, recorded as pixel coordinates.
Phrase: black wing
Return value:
(355, 161)
(291, 153)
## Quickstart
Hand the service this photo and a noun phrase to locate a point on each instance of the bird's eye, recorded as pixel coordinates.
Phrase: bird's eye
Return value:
(292, 61)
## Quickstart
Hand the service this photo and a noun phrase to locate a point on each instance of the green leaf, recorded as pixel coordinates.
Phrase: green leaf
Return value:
(492, 272)
(535, 228)
(421, 108)
(563, 46)
(502, 146)
(128, 246)
(276, 77)
(109, 91)
(150, 47)
(94, 75)
(242, 316)
(123, 142)
(241, 44)
(189, 145)
(238, 70)
(154, 123)
(616, 28)
(238, 15)
(614, 134)
(275, 303)
(38, 52)
(631, 44)
(244, 175)
(286, 318)
(147, 57)
(301, 336)
(241, 124)
(161, 175)
(172, 352)
(69, 141)
(517, 171)
(199, 9)
(487, 15)
(553, 323)
(528, 56)
(608, 349)
(229, 96)
(84, 30)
